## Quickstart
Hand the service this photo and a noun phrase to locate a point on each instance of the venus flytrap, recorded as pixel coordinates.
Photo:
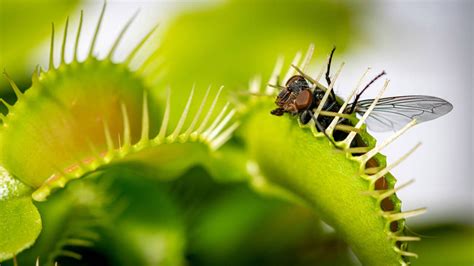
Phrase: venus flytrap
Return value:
(350, 186)
(81, 117)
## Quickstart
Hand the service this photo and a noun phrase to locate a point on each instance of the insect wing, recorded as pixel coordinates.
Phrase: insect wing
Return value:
(392, 113)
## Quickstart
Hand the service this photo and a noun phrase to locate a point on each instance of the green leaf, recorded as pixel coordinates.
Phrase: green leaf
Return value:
(327, 178)
(11, 187)
(20, 225)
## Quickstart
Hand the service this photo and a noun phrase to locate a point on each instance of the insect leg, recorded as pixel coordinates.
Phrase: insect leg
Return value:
(328, 70)
(278, 112)
(320, 128)
(354, 103)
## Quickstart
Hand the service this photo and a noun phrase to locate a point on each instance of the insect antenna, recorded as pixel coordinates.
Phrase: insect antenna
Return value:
(328, 70)
(353, 105)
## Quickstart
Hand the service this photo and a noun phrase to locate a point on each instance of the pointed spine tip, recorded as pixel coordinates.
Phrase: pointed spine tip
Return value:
(166, 116)
(364, 158)
(36, 73)
(222, 138)
(137, 48)
(7, 105)
(405, 238)
(95, 152)
(145, 119)
(16, 90)
(63, 48)
(307, 58)
(210, 111)
(108, 139)
(78, 35)
(274, 78)
(198, 113)
(295, 62)
(403, 215)
(183, 117)
(70, 254)
(405, 253)
(216, 121)
(392, 191)
(121, 34)
(97, 29)
(215, 132)
(335, 121)
(385, 170)
(126, 127)
(306, 76)
(51, 49)
(255, 84)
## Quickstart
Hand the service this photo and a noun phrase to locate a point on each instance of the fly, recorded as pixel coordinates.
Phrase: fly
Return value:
(390, 113)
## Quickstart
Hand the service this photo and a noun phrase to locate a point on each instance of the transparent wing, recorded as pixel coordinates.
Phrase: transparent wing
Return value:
(392, 113)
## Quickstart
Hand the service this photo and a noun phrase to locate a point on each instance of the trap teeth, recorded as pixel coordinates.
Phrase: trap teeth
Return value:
(123, 128)
(291, 71)
(364, 158)
(386, 202)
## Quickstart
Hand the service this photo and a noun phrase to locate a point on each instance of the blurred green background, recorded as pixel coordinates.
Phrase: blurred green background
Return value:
(197, 220)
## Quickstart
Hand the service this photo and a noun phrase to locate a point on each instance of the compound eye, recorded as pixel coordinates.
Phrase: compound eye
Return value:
(297, 83)
(293, 80)
(304, 99)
